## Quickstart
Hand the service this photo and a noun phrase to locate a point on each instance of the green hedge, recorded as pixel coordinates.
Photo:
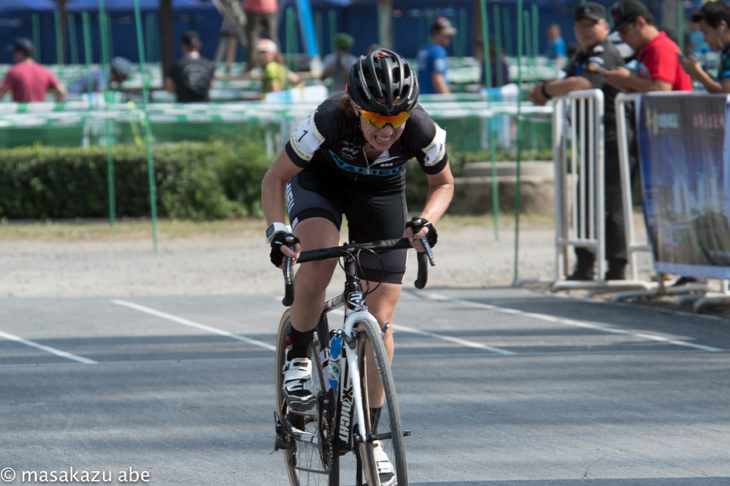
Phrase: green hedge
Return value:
(193, 180)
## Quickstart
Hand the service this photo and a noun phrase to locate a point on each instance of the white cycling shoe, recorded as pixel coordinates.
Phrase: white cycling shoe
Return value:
(298, 385)
(385, 468)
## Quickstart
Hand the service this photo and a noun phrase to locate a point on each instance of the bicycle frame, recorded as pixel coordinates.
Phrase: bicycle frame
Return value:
(355, 311)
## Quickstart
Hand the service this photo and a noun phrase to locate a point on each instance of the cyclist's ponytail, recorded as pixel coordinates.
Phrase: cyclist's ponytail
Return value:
(345, 103)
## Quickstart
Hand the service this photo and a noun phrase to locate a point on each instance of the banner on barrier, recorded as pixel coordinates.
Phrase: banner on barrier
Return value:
(684, 149)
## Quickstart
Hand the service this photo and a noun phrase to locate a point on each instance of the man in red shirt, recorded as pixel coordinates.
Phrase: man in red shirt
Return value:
(659, 68)
(260, 16)
(28, 80)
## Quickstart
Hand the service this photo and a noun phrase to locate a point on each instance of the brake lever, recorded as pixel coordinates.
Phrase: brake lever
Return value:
(288, 279)
(427, 247)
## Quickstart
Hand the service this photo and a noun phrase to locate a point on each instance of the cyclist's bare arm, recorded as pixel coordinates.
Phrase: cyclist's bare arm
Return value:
(440, 192)
(272, 192)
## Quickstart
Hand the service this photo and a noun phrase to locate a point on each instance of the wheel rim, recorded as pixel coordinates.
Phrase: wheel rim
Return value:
(371, 400)
(304, 458)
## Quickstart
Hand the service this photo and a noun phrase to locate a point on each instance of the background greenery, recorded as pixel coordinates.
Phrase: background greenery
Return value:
(194, 180)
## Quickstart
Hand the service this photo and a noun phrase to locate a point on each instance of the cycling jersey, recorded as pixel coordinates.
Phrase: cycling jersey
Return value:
(338, 179)
(331, 142)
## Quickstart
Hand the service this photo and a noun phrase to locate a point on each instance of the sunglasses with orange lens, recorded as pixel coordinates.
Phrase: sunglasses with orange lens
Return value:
(379, 121)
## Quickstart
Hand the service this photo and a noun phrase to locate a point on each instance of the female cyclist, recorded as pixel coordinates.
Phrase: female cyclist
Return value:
(349, 157)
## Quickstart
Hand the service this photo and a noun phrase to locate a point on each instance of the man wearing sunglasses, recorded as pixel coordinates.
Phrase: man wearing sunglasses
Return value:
(348, 158)
(659, 68)
(597, 54)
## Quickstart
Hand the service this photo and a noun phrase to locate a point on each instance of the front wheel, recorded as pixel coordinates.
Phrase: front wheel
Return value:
(382, 415)
(308, 452)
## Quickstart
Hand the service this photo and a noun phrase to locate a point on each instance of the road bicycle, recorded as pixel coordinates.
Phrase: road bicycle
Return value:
(348, 367)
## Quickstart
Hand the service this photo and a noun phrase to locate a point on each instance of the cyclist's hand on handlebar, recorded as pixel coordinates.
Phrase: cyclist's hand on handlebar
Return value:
(279, 249)
(417, 228)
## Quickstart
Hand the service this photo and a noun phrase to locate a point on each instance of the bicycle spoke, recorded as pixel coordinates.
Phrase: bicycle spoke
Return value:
(308, 460)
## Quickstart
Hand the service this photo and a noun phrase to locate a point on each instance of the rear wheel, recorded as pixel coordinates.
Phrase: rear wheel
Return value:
(308, 451)
(380, 404)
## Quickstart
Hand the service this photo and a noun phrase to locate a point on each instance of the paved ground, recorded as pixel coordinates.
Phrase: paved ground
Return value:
(500, 386)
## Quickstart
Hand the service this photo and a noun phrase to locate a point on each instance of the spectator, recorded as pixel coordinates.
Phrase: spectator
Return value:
(276, 75)
(556, 48)
(432, 58)
(190, 77)
(120, 70)
(28, 80)
(261, 15)
(596, 52)
(695, 39)
(659, 68)
(658, 57)
(713, 19)
(337, 65)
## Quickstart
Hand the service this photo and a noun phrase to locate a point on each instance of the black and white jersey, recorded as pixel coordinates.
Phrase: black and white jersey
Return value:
(332, 143)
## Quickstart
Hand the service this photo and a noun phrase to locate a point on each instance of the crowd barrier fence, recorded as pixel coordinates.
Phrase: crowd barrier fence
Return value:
(578, 156)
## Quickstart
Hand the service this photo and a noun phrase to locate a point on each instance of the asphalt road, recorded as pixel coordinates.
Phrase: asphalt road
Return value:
(500, 387)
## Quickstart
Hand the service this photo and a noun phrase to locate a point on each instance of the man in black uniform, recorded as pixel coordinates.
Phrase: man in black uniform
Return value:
(190, 77)
(597, 53)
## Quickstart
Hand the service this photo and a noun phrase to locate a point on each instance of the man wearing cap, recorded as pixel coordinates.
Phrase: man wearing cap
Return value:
(432, 59)
(191, 76)
(596, 54)
(659, 68)
(120, 69)
(28, 80)
(336, 65)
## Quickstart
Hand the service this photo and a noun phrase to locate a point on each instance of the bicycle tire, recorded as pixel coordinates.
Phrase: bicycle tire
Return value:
(304, 458)
(369, 333)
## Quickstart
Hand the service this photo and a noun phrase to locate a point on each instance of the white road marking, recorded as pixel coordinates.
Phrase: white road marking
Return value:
(401, 356)
(196, 325)
(571, 322)
(461, 342)
(48, 349)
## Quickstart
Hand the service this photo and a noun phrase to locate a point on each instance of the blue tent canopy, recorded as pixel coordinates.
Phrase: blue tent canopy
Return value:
(116, 5)
(93, 5)
(41, 5)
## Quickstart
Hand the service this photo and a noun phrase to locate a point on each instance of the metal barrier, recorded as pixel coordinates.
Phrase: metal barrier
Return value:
(632, 246)
(580, 189)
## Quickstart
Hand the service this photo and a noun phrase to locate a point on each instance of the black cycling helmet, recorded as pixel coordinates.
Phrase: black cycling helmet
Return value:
(384, 75)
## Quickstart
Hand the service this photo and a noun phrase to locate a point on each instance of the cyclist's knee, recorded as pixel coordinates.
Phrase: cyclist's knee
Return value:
(315, 276)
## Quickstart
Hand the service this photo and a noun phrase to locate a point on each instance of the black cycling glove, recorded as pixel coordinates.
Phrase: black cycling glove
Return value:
(280, 239)
(416, 224)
